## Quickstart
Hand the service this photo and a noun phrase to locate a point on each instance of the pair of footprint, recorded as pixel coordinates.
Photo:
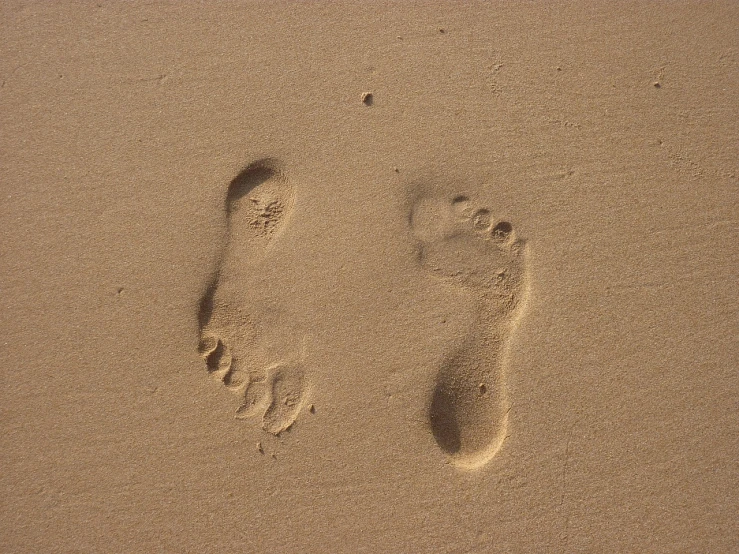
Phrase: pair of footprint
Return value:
(461, 244)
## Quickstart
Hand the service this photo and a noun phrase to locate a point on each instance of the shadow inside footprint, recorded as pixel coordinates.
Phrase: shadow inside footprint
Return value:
(246, 181)
(205, 312)
(444, 426)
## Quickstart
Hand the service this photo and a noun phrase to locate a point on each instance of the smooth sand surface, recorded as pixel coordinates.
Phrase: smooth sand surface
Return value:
(362, 277)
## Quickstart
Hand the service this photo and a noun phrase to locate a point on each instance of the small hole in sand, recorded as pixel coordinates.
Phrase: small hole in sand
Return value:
(367, 99)
(483, 389)
(502, 230)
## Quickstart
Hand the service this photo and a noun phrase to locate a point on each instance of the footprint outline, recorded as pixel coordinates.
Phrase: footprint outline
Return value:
(258, 205)
(464, 246)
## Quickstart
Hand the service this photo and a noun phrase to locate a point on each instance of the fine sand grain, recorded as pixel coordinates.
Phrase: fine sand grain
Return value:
(369, 277)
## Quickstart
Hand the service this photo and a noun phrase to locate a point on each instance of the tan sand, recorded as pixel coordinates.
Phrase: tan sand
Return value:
(362, 277)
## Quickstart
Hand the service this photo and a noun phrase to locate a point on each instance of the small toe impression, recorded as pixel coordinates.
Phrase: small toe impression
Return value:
(481, 220)
(218, 361)
(235, 378)
(207, 345)
(256, 399)
(287, 399)
(502, 232)
(462, 206)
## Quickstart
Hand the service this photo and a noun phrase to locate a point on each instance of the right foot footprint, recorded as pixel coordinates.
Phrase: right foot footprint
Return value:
(258, 204)
(468, 409)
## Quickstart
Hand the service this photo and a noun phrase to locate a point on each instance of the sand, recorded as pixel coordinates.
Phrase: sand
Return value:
(363, 277)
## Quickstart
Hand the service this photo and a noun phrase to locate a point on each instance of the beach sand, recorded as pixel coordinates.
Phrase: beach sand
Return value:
(369, 277)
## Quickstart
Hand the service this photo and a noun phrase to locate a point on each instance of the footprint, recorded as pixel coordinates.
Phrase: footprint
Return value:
(237, 351)
(466, 247)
